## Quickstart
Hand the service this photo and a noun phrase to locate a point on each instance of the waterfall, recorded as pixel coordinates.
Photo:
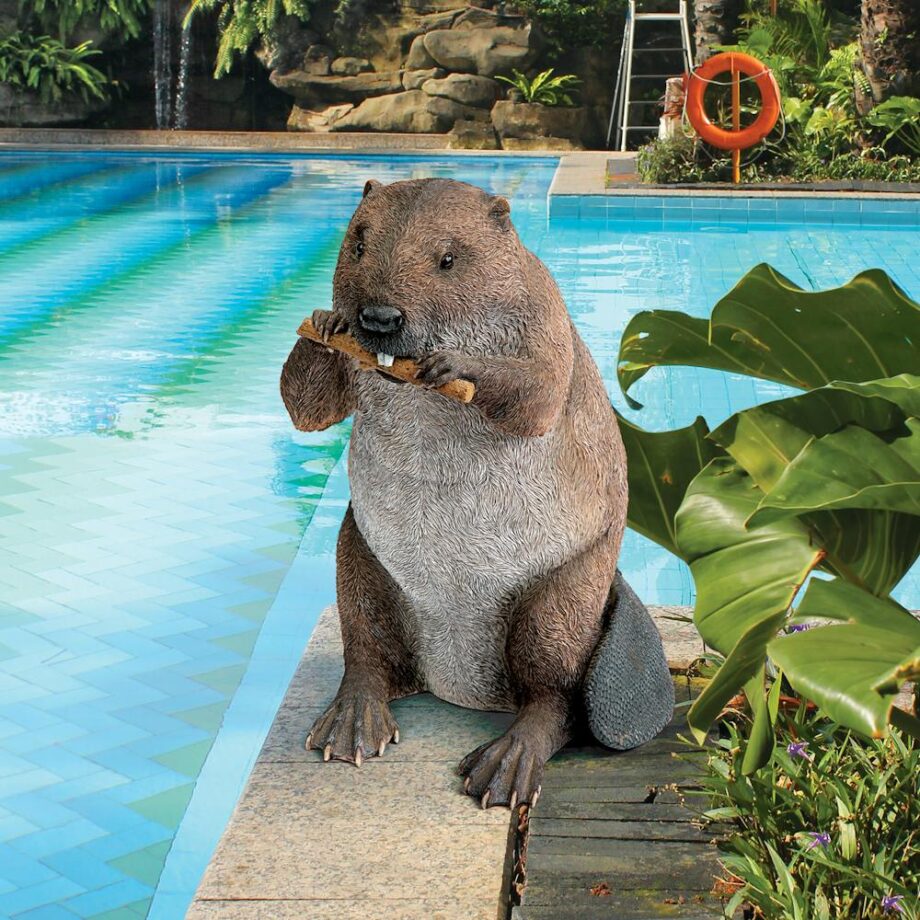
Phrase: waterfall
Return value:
(162, 62)
(185, 54)
(171, 101)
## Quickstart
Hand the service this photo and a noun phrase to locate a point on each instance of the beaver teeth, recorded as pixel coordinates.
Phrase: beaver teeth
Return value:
(384, 360)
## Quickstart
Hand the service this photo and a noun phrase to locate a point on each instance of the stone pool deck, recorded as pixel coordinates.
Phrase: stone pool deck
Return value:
(397, 839)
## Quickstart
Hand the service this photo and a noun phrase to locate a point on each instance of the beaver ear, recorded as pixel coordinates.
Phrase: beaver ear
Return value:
(369, 186)
(500, 211)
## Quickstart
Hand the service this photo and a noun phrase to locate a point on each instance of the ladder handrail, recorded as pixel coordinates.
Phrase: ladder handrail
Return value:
(619, 109)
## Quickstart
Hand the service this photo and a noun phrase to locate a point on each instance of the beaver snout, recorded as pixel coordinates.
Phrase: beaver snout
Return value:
(382, 320)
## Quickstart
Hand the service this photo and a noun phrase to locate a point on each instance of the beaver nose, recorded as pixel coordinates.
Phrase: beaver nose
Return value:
(380, 319)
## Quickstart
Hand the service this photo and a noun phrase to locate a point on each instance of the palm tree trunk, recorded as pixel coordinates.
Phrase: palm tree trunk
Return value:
(715, 22)
(889, 41)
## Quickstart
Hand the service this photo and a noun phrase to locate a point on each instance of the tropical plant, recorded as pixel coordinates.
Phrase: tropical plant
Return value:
(544, 88)
(43, 64)
(825, 483)
(889, 41)
(900, 117)
(242, 23)
(830, 827)
(119, 17)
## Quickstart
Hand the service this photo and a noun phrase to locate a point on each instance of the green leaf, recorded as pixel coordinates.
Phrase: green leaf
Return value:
(872, 548)
(742, 575)
(761, 741)
(746, 579)
(852, 670)
(852, 468)
(660, 467)
(768, 327)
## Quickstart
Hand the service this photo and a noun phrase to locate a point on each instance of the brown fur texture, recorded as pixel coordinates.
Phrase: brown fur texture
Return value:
(477, 557)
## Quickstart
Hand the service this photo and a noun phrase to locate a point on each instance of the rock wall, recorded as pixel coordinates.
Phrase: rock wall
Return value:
(424, 66)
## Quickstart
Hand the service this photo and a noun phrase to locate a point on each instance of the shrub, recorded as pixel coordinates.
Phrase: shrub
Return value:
(830, 827)
(569, 24)
(43, 64)
(826, 482)
(683, 159)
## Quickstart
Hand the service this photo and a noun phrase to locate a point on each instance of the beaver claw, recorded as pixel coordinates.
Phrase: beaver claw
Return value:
(506, 771)
(353, 728)
(328, 323)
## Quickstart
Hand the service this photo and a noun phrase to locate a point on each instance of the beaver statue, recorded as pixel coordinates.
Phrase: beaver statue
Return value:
(477, 559)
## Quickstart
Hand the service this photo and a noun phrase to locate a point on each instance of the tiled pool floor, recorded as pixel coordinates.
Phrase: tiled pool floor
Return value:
(158, 515)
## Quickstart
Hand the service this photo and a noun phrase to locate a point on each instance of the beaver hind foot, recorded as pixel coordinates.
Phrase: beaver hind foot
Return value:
(628, 690)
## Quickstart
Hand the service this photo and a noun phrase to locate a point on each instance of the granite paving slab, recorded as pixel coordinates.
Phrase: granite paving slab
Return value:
(397, 839)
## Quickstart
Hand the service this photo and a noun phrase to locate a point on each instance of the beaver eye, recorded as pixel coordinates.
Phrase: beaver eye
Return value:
(359, 249)
(447, 261)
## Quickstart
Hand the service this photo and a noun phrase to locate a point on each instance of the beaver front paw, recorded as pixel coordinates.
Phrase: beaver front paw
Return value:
(507, 771)
(328, 323)
(444, 366)
(355, 726)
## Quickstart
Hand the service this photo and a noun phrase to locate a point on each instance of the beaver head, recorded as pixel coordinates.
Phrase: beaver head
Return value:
(430, 264)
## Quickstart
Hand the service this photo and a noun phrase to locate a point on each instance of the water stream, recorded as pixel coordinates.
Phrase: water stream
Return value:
(171, 96)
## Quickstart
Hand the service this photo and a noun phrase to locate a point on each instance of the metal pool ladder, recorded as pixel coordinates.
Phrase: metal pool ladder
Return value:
(623, 94)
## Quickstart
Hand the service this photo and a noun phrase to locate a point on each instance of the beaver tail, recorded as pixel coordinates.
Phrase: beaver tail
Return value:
(628, 690)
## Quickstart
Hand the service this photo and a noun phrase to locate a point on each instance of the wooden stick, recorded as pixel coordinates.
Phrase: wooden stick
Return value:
(402, 369)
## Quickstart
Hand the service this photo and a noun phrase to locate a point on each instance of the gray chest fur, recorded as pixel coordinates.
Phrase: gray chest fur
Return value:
(463, 518)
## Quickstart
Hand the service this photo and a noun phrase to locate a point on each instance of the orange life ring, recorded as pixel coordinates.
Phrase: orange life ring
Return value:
(729, 62)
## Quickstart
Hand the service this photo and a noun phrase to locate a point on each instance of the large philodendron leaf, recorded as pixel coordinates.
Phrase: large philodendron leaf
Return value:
(872, 547)
(852, 468)
(768, 327)
(853, 670)
(746, 579)
(660, 467)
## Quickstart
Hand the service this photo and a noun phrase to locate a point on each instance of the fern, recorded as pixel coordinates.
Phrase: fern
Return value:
(242, 22)
(120, 17)
(46, 66)
(544, 88)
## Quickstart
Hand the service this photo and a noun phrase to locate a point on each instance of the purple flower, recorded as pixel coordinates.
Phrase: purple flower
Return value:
(797, 627)
(892, 903)
(798, 749)
(818, 839)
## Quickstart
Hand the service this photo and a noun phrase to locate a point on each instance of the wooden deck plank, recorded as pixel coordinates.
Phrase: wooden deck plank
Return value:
(613, 838)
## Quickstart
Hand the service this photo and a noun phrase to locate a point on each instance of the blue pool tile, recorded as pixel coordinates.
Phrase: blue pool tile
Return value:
(155, 495)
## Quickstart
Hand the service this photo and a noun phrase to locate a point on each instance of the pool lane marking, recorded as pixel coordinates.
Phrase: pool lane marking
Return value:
(147, 249)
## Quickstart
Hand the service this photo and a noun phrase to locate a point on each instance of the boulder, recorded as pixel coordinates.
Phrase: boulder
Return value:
(410, 112)
(413, 79)
(311, 89)
(24, 108)
(532, 122)
(467, 88)
(285, 47)
(350, 66)
(317, 59)
(541, 143)
(433, 6)
(482, 51)
(478, 18)
(472, 135)
(316, 121)
(418, 57)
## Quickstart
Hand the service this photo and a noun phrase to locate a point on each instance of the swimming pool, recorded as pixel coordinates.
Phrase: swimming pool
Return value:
(165, 546)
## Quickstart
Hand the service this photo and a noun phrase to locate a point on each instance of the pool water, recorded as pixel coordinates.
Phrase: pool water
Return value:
(166, 535)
